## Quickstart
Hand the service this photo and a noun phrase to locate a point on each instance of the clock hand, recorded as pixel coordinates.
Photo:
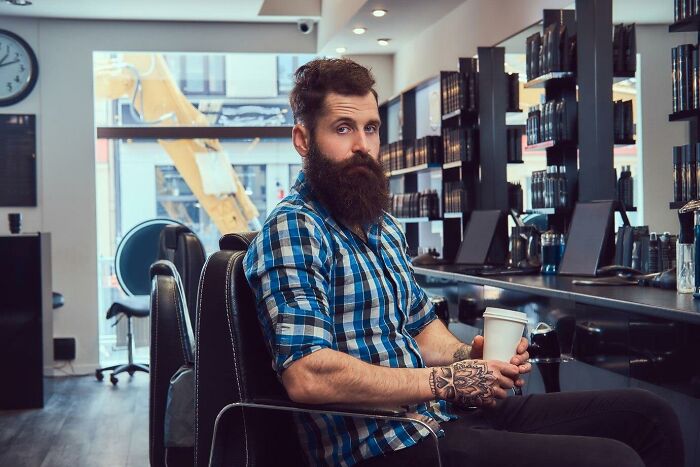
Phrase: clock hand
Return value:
(8, 63)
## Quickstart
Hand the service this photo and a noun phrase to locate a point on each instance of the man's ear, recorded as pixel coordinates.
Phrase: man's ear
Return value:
(301, 139)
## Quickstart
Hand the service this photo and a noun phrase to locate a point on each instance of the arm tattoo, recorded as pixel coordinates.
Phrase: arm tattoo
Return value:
(469, 383)
(462, 352)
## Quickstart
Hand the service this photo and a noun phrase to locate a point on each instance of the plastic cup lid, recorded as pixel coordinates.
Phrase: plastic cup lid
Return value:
(508, 315)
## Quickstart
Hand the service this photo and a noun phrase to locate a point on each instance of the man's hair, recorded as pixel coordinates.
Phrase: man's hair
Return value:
(318, 78)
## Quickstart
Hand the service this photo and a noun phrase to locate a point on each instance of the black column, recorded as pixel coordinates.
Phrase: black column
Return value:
(595, 78)
(493, 189)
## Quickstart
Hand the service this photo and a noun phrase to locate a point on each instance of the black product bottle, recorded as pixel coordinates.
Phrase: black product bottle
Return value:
(562, 187)
(653, 253)
(677, 175)
(629, 200)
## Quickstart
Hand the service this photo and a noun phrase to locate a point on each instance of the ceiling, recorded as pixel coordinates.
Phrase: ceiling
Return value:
(170, 10)
(405, 18)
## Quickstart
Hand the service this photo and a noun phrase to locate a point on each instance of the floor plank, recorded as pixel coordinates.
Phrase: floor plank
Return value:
(84, 423)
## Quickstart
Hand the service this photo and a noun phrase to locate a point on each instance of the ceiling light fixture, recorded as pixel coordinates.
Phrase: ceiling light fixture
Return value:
(359, 31)
(19, 2)
(378, 12)
(383, 42)
(341, 50)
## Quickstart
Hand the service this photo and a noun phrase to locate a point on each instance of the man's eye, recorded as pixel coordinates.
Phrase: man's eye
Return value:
(371, 128)
(343, 130)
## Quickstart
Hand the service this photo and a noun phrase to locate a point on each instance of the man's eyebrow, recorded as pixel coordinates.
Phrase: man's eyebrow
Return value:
(352, 121)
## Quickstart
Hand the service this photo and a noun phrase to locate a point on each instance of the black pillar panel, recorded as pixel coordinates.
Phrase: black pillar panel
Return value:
(493, 189)
(595, 78)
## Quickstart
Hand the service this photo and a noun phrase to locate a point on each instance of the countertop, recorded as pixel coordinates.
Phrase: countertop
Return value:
(666, 304)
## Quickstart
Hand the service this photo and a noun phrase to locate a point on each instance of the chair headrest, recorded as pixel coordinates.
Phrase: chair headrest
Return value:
(170, 234)
(162, 268)
(237, 241)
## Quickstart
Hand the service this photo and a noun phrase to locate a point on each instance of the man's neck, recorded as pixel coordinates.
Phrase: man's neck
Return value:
(360, 232)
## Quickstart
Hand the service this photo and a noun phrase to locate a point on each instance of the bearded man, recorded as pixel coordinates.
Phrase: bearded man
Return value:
(346, 322)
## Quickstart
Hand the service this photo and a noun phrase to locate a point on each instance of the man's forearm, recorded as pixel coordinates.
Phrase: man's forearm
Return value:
(328, 376)
(439, 346)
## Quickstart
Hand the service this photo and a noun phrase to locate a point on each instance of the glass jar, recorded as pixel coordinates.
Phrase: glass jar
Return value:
(685, 267)
(553, 245)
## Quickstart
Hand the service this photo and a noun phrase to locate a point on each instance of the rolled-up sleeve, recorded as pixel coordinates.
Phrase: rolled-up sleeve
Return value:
(288, 267)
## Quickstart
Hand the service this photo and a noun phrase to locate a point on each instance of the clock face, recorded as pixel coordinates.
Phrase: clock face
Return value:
(18, 68)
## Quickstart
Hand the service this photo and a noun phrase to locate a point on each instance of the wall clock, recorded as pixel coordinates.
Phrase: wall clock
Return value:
(19, 68)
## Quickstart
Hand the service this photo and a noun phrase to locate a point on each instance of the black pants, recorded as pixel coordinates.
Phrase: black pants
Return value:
(617, 428)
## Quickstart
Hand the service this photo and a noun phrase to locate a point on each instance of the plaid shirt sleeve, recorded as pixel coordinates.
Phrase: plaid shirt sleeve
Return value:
(288, 267)
(422, 312)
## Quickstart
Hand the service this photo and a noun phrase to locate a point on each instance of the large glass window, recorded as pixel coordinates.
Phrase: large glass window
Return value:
(198, 138)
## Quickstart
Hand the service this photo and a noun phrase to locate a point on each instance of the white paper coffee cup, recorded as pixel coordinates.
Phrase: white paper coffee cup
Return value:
(502, 332)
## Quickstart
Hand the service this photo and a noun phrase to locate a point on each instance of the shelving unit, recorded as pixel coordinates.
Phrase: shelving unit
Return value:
(692, 116)
(590, 173)
(414, 169)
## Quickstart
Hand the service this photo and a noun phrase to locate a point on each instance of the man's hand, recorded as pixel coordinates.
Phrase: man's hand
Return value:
(473, 382)
(520, 359)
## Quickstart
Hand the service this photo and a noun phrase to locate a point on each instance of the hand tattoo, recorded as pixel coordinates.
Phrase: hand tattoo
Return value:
(469, 383)
(462, 353)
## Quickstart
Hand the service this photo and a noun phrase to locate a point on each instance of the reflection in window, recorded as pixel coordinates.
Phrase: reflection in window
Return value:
(255, 183)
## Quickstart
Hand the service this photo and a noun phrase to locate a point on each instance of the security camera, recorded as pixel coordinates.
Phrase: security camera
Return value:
(305, 26)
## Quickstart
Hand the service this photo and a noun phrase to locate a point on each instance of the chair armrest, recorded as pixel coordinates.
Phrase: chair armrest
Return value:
(341, 408)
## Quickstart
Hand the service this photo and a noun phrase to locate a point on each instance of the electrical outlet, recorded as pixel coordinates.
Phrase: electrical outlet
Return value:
(64, 348)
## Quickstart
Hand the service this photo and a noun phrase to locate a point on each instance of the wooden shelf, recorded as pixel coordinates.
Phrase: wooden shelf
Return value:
(566, 210)
(458, 112)
(514, 111)
(690, 24)
(415, 220)
(684, 115)
(452, 215)
(542, 80)
(631, 142)
(454, 164)
(550, 211)
(417, 168)
(549, 144)
(677, 204)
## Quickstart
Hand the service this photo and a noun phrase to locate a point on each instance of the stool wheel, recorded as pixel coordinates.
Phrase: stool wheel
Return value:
(113, 379)
(131, 372)
(99, 375)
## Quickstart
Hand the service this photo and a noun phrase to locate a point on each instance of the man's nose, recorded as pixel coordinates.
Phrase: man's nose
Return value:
(360, 143)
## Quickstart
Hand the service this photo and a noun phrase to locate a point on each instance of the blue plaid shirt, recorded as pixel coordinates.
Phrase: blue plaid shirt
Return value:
(318, 286)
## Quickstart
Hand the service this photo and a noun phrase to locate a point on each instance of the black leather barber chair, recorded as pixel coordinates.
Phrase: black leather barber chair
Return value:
(182, 247)
(135, 253)
(243, 414)
(172, 354)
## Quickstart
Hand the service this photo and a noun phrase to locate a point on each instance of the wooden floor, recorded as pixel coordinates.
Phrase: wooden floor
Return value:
(84, 423)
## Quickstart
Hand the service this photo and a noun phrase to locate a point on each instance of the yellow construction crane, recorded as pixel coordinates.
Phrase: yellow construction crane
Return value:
(157, 100)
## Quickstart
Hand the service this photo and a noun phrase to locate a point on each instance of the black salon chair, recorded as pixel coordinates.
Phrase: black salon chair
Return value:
(243, 414)
(175, 281)
(182, 247)
(172, 351)
(135, 253)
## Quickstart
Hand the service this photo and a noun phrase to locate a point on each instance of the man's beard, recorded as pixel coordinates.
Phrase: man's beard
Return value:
(355, 191)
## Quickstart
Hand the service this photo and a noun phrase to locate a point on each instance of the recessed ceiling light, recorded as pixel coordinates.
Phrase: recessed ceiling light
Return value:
(383, 42)
(378, 12)
(341, 50)
(359, 31)
(19, 2)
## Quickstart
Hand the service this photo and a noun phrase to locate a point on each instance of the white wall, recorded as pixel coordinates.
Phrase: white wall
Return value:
(63, 103)
(382, 67)
(475, 23)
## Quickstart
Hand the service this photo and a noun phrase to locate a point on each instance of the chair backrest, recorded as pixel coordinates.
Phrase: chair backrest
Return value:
(185, 250)
(234, 365)
(172, 345)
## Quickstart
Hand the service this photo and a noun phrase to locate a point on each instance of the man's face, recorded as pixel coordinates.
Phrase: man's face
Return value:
(348, 125)
(341, 163)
